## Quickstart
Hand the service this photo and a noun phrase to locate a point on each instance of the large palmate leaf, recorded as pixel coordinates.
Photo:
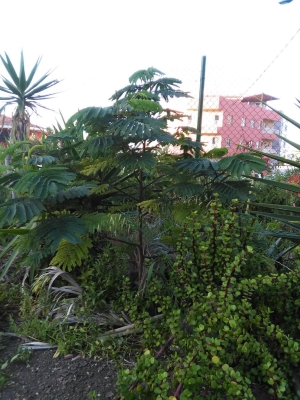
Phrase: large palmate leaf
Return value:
(186, 189)
(197, 166)
(41, 160)
(144, 75)
(51, 231)
(242, 164)
(103, 222)
(136, 159)
(140, 127)
(97, 145)
(230, 190)
(91, 115)
(143, 80)
(74, 192)
(21, 208)
(44, 182)
(145, 105)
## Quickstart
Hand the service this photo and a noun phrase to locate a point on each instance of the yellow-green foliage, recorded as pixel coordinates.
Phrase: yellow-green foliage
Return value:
(150, 205)
(98, 222)
(182, 209)
(100, 189)
(69, 255)
(94, 166)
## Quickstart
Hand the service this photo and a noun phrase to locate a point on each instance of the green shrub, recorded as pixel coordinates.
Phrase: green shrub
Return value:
(225, 326)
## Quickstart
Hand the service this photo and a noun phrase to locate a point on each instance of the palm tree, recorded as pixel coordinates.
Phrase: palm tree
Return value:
(20, 91)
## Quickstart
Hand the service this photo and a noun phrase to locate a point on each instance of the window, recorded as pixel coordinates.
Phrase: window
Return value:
(252, 123)
(250, 143)
(258, 124)
(228, 142)
(257, 145)
(243, 122)
(213, 140)
(217, 117)
(229, 119)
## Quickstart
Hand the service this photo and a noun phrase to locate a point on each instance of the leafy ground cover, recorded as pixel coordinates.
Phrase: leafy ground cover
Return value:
(65, 378)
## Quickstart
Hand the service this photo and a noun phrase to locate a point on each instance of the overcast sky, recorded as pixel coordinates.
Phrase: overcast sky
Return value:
(95, 45)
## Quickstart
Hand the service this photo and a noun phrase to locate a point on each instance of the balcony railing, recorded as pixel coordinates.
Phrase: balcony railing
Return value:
(271, 130)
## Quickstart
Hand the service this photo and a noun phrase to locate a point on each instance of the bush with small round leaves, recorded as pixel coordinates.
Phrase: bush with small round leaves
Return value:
(229, 321)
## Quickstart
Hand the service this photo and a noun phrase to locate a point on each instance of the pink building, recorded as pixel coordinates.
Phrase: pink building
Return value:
(231, 121)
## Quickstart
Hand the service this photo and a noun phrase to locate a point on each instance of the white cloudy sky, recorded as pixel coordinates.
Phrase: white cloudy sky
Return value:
(95, 45)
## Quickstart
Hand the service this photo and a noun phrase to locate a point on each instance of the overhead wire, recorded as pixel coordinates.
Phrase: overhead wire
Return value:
(273, 61)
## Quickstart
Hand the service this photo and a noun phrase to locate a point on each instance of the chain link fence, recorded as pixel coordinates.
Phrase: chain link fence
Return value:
(234, 107)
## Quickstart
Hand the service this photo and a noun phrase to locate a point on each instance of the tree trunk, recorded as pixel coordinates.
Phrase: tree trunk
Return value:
(20, 127)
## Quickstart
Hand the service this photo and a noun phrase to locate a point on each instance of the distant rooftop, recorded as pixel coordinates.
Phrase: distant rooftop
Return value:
(258, 97)
(6, 122)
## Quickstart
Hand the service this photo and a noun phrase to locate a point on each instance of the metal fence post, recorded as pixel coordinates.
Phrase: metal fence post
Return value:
(200, 105)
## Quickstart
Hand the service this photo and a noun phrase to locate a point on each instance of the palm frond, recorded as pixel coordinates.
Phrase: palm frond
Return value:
(50, 275)
(10, 69)
(22, 91)
(282, 185)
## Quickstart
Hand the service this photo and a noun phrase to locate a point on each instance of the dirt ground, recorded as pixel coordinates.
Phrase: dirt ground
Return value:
(71, 377)
(43, 377)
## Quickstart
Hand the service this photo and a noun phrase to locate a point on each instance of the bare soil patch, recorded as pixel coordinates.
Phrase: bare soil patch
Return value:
(43, 377)
(70, 377)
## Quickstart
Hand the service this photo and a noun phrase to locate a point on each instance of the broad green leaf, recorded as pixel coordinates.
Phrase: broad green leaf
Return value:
(286, 186)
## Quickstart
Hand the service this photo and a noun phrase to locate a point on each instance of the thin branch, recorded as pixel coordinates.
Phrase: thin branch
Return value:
(151, 183)
(128, 329)
(122, 241)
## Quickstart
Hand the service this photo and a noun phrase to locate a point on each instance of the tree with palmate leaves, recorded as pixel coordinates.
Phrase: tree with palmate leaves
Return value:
(118, 182)
(25, 94)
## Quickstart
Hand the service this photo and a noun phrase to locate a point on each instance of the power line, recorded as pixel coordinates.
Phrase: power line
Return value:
(272, 62)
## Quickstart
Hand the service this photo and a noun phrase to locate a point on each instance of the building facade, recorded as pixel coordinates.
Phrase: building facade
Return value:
(233, 121)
